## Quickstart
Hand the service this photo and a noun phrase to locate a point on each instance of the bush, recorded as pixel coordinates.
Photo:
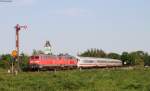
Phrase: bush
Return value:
(5, 61)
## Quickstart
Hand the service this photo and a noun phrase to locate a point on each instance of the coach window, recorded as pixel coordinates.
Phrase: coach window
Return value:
(99, 61)
(102, 61)
(88, 61)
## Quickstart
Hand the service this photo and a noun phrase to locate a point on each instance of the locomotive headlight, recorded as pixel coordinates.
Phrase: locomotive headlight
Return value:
(40, 66)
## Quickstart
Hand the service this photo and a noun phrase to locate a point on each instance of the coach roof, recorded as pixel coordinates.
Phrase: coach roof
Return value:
(94, 58)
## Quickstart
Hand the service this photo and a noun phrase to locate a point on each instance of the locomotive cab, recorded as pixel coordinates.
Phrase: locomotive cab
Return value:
(34, 59)
(34, 62)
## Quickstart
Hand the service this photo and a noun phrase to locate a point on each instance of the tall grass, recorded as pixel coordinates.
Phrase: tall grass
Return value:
(75, 80)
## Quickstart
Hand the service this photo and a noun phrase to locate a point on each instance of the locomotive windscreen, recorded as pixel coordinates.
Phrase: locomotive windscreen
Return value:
(34, 57)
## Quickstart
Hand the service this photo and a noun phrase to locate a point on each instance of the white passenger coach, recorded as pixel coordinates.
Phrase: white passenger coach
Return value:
(87, 62)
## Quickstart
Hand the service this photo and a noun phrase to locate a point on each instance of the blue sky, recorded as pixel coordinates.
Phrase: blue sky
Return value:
(72, 26)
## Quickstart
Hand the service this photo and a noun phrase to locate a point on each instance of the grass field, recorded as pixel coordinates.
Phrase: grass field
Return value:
(75, 80)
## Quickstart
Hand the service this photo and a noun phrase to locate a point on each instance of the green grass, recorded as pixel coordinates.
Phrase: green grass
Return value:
(75, 80)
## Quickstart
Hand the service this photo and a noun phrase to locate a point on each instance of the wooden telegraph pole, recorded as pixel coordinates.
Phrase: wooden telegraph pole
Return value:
(18, 28)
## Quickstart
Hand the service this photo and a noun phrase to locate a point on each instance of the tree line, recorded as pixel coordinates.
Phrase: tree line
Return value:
(127, 58)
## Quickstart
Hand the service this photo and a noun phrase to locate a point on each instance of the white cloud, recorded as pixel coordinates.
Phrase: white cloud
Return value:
(72, 12)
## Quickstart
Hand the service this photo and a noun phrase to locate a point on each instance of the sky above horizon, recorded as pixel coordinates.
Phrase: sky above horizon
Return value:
(73, 26)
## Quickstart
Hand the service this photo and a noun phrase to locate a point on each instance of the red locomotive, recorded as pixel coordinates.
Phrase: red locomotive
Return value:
(43, 61)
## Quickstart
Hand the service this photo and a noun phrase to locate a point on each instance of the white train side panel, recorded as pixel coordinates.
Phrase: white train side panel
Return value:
(84, 62)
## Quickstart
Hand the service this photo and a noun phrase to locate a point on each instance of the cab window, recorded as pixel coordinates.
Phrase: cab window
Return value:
(36, 57)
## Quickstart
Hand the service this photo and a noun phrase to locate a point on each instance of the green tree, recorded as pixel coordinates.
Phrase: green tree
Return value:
(93, 53)
(101, 53)
(5, 61)
(24, 61)
(34, 52)
(37, 52)
(146, 59)
(113, 56)
(138, 57)
(127, 59)
(133, 58)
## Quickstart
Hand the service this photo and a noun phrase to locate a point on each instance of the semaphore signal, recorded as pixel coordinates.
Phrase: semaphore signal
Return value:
(18, 28)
